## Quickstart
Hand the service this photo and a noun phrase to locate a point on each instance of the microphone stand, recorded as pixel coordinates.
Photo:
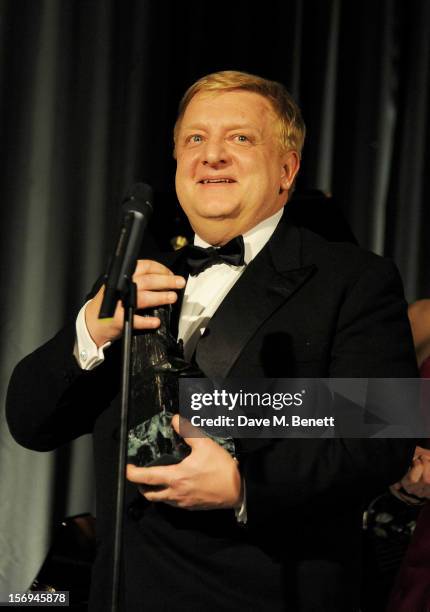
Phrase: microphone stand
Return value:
(129, 303)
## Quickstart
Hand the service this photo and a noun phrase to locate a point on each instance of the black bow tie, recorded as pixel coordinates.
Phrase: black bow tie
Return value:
(199, 259)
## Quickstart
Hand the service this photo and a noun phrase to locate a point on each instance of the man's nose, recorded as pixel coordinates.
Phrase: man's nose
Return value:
(215, 152)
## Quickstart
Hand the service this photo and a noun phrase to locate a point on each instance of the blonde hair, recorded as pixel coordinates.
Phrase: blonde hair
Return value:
(291, 127)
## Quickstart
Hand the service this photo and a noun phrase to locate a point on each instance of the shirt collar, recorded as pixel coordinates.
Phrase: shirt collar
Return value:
(254, 239)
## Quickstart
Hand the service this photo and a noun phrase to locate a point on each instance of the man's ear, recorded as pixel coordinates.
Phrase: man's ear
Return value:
(290, 166)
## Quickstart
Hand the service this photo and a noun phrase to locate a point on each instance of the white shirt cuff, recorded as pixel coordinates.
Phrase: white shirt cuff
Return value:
(87, 353)
(241, 515)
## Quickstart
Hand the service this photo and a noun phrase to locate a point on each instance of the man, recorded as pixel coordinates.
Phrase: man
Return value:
(279, 529)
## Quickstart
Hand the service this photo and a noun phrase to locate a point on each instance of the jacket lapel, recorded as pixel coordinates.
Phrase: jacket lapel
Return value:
(268, 281)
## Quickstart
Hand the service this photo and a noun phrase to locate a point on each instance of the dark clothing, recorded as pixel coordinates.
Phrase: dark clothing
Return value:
(412, 587)
(302, 308)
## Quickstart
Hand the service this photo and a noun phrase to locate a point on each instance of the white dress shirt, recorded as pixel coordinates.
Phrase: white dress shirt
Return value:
(205, 292)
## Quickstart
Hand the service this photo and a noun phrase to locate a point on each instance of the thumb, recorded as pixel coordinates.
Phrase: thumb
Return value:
(191, 434)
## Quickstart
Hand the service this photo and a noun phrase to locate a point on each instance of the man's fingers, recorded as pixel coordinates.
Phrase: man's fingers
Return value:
(149, 266)
(415, 472)
(422, 452)
(156, 282)
(156, 286)
(157, 289)
(425, 478)
(140, 322)
(154, 495)
(192, 435)
(148, 299)
(154, 482)
(159, 476)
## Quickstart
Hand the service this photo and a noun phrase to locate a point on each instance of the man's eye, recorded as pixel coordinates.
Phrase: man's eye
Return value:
(241, 138)
(195, 138)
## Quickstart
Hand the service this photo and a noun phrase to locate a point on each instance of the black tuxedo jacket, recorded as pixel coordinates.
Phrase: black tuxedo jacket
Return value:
(302, 308)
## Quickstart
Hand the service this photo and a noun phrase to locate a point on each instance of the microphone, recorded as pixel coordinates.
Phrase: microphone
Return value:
(136, 211)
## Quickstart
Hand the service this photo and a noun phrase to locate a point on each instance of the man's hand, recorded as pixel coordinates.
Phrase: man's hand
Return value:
(417, 480)
(207, 479)
(156, 286)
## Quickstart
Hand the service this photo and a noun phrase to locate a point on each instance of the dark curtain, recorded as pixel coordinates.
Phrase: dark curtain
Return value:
(88, 97)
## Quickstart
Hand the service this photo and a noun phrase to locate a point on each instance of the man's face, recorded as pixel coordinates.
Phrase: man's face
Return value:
(229, 168)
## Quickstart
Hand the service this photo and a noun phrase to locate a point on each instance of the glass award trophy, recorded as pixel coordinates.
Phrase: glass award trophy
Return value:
(157, 364)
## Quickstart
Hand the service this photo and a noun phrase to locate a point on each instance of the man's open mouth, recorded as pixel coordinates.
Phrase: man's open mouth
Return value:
(213, 181)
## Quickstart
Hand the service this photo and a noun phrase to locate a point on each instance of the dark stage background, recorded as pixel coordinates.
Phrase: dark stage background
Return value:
(88, 97)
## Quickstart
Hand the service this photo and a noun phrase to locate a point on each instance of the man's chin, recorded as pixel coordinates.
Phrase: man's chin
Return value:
(213, 219)
(214, 227)
(215, 210)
